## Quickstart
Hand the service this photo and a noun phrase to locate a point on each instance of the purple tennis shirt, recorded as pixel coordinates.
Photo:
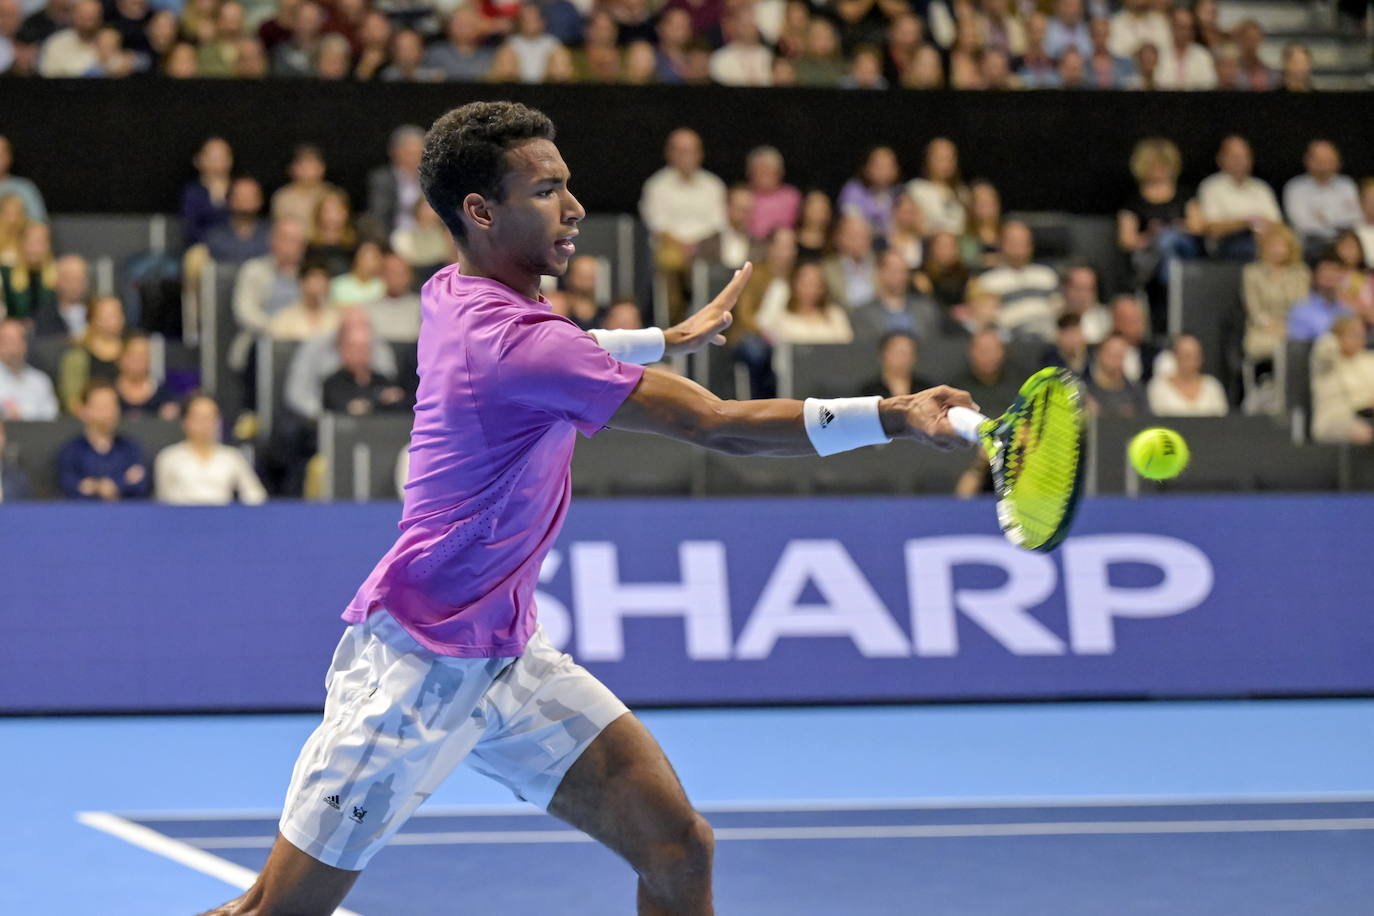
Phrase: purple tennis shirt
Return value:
(504, 386)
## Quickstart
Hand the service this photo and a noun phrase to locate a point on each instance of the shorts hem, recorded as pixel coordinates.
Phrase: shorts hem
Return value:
(334, 858)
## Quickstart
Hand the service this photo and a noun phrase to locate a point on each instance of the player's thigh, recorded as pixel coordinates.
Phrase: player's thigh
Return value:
(623, 792)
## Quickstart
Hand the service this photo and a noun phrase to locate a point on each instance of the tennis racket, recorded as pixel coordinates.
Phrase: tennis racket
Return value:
(1036, 450)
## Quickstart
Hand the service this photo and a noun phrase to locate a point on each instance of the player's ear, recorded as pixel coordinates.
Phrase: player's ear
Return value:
(478, 212)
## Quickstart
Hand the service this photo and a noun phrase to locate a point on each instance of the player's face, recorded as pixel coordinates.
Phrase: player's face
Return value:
(536, 221)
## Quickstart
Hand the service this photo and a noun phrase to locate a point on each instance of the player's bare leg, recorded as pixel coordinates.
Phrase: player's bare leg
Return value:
(623, 792)
(291, 883)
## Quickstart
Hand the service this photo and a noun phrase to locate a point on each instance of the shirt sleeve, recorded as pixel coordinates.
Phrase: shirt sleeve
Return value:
(69, 474)
(246, 483)
(547, 364)
(133, 456)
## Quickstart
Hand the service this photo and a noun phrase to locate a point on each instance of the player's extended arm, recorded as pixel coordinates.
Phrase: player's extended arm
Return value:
(669, 405)
(704, 327)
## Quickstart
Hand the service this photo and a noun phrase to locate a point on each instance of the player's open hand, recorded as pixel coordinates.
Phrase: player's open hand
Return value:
(707, 325)
(924, 416)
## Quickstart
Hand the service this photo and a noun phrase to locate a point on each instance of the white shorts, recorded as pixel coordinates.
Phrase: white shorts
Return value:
(398, 718)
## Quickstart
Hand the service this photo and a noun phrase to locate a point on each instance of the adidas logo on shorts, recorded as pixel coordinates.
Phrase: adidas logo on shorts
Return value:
(332, 801)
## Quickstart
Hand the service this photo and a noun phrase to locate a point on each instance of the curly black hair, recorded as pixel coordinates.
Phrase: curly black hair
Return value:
(465, 153)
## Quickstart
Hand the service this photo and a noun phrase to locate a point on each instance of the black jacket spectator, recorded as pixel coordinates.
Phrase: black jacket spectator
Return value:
(347, 393)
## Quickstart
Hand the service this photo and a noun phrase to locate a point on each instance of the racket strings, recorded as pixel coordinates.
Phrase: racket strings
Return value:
(1039, 462)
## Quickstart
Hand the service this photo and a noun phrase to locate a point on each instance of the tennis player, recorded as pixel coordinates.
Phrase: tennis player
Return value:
(443, 660)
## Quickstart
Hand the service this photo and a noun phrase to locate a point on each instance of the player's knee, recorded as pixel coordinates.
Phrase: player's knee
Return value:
(684, 854)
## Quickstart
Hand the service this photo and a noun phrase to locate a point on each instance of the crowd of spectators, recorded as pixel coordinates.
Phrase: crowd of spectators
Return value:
(897, 265)
(856, 44)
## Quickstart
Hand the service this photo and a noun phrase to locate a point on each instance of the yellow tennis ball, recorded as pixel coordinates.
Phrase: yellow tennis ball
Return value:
(1158, 453)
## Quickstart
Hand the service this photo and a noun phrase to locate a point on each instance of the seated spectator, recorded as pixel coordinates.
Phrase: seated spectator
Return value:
(531, 54)
(1365, 229)
(743, 60)
(1257, 75)
(265, 286)
(300, 198)
(980, 245)
(1037, 68)
(1110, 392)
(1128, 323)
(30, 285)
(396, 315)
(733, 244)
(927, 70)
(581, 288)
(14, 482)
(965, 56)
(181, 62)
(943, 275)
(986, 377)
(72, 51)
(393, 190)
(295, 57)
(355, 388)
(1070, 347)
(333, 58)
(100, 464)
(461, 56)
(318, 358)
(849, 271)
(674, 37)
(1146, 62)
(1002, 27)
(12, 184)
(251, 62)
(776, 204)
(426, 245)
(1072, 71)
(1343, 386)
(204, 200)
(822, 63)
(13, 220)
(980, 311)
(362, 284)
(1159, 224)
(995, 69)
(199, 470)
(139, 394)
(374, 46)
(1068, 28)
(906, 235)
(865, 70)
(1028, 291)
(1108, 69)
(1313, 316)
(25, 392)
(1236, 205)
(623, 316)
(1356, 287)
(159, 37)
(682, 205)
(598, 60)
(1078, 295)
(1183, 63)
(895, 305)
(66, 315)
(1321, 202)
(872, 193)
(408, 60)
(815, 232)
(809, 316)
(1230, 77)
(1296, 75)
(1187, 391)
(1271, 286)
(897, 351)
(940, 193)
(335, 238)
(218, 54)
(310, 316)
(244, 234)
(96, 356)
(1138, 23)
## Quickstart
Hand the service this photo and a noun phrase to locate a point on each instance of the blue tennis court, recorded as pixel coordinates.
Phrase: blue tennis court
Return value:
(1262, 807)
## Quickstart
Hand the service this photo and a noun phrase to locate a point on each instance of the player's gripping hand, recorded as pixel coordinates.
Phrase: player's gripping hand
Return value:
(924, 416)
(705, 326)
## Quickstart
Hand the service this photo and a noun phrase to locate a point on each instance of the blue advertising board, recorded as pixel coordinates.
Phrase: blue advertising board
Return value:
(717, 601)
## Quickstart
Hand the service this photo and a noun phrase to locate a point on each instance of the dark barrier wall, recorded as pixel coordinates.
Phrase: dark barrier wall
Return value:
(712, 601)
(98, 145)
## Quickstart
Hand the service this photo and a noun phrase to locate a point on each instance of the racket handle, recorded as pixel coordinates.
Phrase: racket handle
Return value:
(966, 422)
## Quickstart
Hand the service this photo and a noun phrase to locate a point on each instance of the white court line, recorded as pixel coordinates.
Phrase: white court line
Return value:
(177, 850)
(828, 804)
(876, 832)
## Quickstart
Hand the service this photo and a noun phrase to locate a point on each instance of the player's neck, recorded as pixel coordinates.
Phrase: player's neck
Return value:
(482, 264)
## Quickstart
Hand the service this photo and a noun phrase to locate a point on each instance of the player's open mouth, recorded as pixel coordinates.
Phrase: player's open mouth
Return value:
(564, 244)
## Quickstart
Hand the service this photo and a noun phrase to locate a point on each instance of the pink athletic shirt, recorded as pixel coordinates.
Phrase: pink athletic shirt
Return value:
(504, 383)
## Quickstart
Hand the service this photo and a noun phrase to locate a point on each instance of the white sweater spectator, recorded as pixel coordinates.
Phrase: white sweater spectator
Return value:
(185, 476)
(1168, 399)
(1191, 68)
(1322, 201)
(743, 61)
(73, 51)
(25, 392)
(1342, 385)
(682, 199)
(1137, 24)
(1222, 199)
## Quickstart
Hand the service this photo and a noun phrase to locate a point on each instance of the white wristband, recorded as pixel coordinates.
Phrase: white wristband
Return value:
(966, 422)
(641, 347)
(839, 424)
